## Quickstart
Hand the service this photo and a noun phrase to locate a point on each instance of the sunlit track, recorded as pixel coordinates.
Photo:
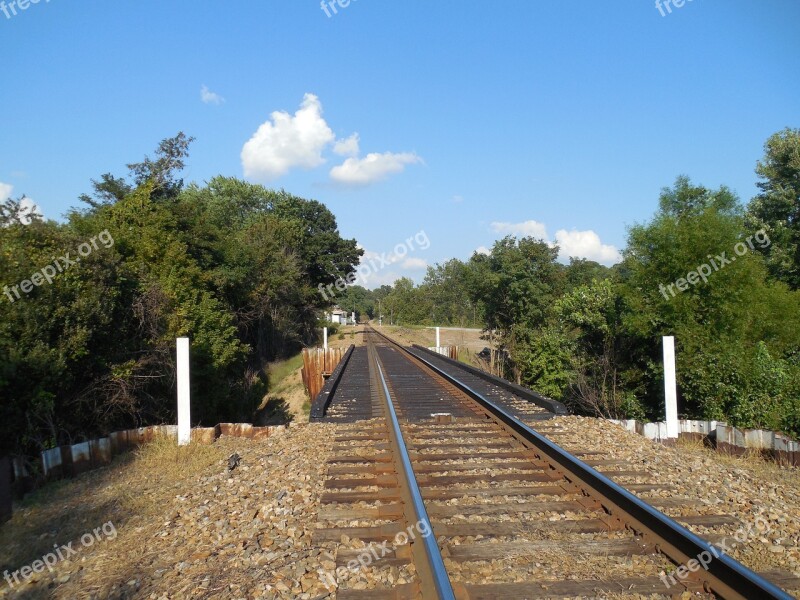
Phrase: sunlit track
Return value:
(514, 515)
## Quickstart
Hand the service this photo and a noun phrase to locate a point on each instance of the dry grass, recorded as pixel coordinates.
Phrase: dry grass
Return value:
(752, 461)
(131, 493)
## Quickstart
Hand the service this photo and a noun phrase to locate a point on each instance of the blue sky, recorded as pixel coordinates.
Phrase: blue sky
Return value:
(473, 119)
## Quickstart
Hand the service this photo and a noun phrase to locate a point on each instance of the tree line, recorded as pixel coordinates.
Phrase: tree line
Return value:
(721, 276)
(232, 265)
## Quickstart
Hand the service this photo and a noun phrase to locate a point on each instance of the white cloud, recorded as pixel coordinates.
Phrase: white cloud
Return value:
(579, 244)
(525, 229)
(376, 280)
(483, 250)
(415, 263)
(209, 97)
(585, 244)
(288, 141)
(29, 208)
(348, 147)
(372, 168)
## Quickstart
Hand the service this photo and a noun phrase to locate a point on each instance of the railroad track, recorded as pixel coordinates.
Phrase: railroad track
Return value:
(512, 515)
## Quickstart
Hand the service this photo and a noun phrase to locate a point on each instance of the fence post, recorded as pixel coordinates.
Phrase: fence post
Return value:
(325, 337)
(184, 405)
(670, 387)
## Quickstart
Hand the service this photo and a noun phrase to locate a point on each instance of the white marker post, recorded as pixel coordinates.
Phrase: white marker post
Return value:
(438, 345)
(670, 387)
(184, 406)
(325, 338)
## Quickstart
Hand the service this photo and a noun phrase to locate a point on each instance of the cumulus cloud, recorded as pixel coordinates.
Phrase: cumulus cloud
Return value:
(287, 141)
(483, 250)
(574, 243)
(28, 208)
(348, 147)
(373, 167)
(415, 263)
(372, 281)
(524, 229)
(209, 97)
(585, 244)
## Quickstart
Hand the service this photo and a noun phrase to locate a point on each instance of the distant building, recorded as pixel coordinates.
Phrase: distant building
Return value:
(337, 316)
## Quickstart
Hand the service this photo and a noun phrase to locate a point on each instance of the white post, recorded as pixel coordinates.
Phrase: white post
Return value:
(670, 387)
(184, 411)
(325, 337)
(438, 345)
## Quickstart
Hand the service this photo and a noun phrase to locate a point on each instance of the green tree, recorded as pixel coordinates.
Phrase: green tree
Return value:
(718, 322)
(777, 208)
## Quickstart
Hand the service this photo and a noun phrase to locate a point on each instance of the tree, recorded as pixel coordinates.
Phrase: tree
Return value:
(776, 209)
(516, 285)
(593, 317)
(720, 319)
(232, 265)
(446, 289)
(581, 271)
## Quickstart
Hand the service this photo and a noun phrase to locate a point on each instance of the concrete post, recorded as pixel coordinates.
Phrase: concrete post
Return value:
(325, 338)
(184, 400)
(438, 344)
(670, 387)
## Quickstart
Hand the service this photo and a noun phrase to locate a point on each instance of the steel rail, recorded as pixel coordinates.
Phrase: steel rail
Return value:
(724, 576)
(434, 580)
(554, 406)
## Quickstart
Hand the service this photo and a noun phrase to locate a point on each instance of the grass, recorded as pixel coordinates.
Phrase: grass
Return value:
(172, 462)
(131, 493)
(752, 461)
(278, 371)
(282, 402)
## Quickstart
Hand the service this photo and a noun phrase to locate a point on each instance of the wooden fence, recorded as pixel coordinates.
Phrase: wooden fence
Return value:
(318, 364)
